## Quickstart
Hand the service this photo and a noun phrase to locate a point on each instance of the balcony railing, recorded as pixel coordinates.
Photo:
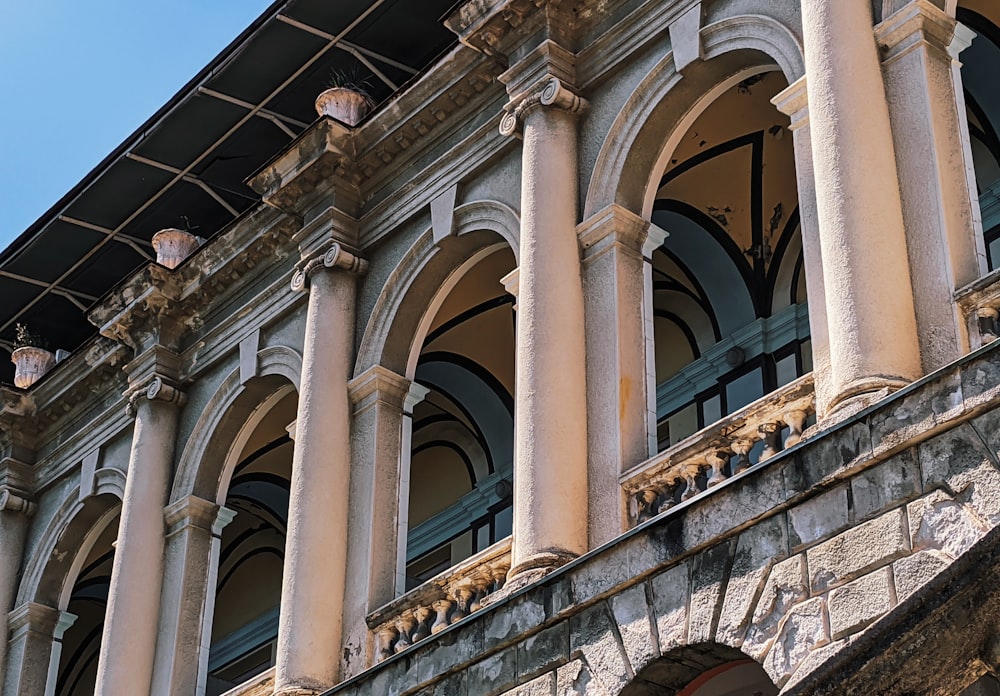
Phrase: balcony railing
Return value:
(441, 601)
(726, 448)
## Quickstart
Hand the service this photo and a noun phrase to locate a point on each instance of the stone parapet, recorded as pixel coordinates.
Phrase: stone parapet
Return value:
(751, 566)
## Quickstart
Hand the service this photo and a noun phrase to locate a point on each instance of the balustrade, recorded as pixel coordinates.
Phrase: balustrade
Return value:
(723, 449)
(980, 304)
(440, 602)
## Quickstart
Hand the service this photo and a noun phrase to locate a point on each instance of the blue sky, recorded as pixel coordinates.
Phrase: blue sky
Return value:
(78, 76)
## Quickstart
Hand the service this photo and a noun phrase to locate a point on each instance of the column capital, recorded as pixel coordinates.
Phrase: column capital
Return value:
(512, 283)
(332, 255)
(32, 616)
(615, 226)
(378, 384)
(793, 101)
(550, 91)
(154, 387)
(921, 22)
(195, 512)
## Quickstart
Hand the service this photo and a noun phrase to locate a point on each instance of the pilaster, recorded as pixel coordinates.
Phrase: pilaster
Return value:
(31, 628)
(379, 397)
(794, 103)
(920, 44)
(619, 420)
(187, 602)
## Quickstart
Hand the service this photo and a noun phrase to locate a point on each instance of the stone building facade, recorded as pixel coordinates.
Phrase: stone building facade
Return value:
(625, 347)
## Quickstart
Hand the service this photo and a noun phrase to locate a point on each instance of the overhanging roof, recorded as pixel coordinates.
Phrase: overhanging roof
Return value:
(186, 165)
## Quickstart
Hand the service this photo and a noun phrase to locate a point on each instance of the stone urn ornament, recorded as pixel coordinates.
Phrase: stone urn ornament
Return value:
(347, 99)
(30, 357)
(173, 245)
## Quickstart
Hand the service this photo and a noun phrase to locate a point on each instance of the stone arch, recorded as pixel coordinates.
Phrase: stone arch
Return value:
(667, 102)
(203, 465)
(66, 542)
(686, 670)
(423, 274)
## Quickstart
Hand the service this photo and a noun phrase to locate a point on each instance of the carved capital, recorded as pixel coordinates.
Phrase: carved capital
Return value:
(154, 388)
(10, 501)
(552, 92)
(333, 255)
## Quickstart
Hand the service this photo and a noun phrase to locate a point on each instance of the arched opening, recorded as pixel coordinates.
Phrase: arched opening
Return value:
(703, 670)
(461, 456)
(87, 601)
(980, 64)
(251, 550)
(730, 318)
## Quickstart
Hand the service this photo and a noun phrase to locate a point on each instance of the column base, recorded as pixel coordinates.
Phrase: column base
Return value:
(297, 691)
(858, 396)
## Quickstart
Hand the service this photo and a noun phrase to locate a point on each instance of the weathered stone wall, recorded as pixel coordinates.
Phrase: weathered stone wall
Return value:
(787, 563)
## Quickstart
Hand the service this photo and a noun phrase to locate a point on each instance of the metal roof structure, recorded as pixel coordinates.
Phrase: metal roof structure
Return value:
(186, 165)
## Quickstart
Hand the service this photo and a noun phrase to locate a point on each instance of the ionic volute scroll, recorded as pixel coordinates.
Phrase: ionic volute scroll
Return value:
(157, 388)
(552, 93)
(12, 502)
(334, 256)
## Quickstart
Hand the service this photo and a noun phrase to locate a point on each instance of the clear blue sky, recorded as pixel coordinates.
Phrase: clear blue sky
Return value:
(78, 76)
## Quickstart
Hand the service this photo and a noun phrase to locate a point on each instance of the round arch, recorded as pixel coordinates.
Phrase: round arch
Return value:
(635, 151)
(422, 279)
(67, 541)
(705, 669)
(206, 462)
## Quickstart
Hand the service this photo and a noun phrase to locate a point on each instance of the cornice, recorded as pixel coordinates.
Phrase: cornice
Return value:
(503, 27)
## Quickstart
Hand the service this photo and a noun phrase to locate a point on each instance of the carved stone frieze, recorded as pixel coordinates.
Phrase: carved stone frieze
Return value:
(333, 256)
(500, 27)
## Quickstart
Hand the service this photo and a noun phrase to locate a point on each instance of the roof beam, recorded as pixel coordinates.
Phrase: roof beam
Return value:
(190, 178)
(178, 177)
(138, 245)
(352, 48)
(280, 119)
(68, 294)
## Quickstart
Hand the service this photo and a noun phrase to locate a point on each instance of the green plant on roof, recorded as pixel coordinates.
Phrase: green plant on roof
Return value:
(354, 80)
(24, 337)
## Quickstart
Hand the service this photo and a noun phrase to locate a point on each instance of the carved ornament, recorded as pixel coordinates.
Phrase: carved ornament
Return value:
(333, 255)
(155, 388)
(12, 502)
(553, 93)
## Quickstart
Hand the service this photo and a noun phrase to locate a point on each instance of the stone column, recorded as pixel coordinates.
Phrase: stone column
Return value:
(869, 296)
(378, 396)
(550, 415)
(128, 643)
(188, 597)
(619, 420)
(920, 45)
(312, 587)
(793, 102)
(15, 509)
(32, 629)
